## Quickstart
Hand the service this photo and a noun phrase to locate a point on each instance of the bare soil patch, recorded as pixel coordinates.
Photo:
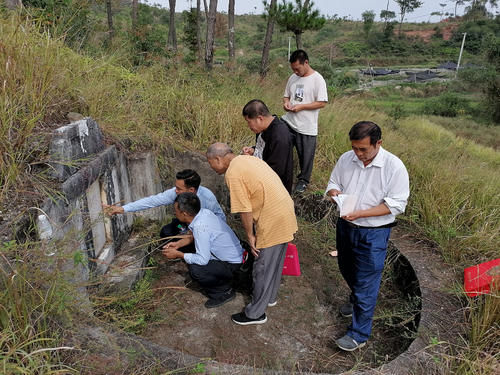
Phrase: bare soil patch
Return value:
(300, 332)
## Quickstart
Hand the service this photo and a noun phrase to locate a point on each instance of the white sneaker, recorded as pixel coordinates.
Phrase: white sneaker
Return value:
(272, 304)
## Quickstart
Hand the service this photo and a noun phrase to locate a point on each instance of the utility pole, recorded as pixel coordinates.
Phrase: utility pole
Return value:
(460, 55)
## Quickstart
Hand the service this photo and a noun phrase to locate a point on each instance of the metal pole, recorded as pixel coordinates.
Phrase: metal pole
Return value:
(460, 55)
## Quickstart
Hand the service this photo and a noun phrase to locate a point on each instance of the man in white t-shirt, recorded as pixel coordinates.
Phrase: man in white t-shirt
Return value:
(305, 94)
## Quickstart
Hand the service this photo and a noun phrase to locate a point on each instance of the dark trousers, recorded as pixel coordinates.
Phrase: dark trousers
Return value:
(173, 229)
(361, 256)
(215, 277)
(306, 149)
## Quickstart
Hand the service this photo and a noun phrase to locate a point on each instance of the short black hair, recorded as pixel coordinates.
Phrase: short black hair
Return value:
(299, 55)
(255, 108)
(365, 129)
(190, 178)
(189, 203)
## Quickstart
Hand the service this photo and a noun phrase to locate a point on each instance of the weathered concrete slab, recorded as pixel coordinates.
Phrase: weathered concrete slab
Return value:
(104, 260)
(144, 180)
(128, 267)
(72, 144)
(77, 184)
(60, 226)
(96, 216)
(116, 190)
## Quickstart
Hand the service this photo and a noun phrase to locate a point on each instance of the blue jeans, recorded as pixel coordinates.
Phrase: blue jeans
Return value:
(361, 257)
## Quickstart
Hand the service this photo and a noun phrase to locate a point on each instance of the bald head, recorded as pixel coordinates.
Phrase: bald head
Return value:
(219, 156)
(218, 149)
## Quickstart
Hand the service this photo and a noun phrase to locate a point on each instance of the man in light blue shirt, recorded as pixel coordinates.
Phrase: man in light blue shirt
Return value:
(186, 180)
(218, 251)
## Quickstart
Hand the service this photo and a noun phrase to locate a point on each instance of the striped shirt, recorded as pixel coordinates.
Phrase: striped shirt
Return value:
(254, 187)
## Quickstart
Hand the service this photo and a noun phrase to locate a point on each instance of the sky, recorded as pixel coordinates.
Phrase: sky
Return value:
(351, 9)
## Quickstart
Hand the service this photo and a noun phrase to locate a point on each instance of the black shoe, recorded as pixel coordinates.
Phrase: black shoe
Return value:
(348, 344)
(346, 310)
(243, 320)
(300, 187)
(212, 302)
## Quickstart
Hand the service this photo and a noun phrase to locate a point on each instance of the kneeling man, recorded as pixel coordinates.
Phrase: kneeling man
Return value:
(218, 250)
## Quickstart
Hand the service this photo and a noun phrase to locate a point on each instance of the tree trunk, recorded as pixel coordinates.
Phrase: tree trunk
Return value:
(298, 39)
(386, 9)
(198, 30)
(172, 38)
(209, 45)
(230, 31)
(206, 9)
(401, 22)
(110, 19)
(264, 63)
(134, 15)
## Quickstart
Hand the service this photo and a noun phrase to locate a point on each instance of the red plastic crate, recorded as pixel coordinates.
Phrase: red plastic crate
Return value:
(479, 279)
(291, 267)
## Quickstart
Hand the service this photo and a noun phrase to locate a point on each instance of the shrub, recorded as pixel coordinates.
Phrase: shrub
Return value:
(336, 78)
(447, 105)
(252, 63)
(354, 49)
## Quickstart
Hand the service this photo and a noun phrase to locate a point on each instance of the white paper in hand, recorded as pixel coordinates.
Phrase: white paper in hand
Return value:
(346, 203)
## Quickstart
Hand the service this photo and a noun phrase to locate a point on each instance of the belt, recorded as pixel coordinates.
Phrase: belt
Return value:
(352, 225)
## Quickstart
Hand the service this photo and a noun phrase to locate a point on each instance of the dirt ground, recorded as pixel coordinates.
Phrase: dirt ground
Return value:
(301, 329)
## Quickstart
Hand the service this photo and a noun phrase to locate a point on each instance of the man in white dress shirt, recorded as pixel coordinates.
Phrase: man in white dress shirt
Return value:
(377, 182)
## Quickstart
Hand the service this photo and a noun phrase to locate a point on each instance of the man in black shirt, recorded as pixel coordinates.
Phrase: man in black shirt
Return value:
(273, 140)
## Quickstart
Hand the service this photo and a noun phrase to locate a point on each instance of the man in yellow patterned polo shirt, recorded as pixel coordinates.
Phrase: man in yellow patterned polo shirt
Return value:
(258, 194)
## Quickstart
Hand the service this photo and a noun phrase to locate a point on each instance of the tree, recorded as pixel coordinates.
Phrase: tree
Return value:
(135, 6)
(190, 37)
(298, 18)
(477, 8)
(230, 31)
(368, 20)
(457, 3)
(110, 19)
(198, 30)
(172, 38)
(387, 15)
(406, 6)
(206, 9)
(271, 14)
(209, 45)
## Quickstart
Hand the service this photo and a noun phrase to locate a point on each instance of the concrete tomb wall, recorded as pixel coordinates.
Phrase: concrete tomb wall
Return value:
(91, 175)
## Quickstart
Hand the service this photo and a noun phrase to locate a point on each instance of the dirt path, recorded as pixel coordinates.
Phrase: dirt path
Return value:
(300, 330)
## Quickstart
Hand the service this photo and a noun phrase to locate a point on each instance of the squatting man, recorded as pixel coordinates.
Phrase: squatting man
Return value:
(218, 251)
